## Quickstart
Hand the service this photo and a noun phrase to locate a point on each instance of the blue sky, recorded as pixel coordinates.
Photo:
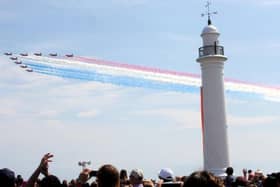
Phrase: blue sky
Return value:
(133, 127)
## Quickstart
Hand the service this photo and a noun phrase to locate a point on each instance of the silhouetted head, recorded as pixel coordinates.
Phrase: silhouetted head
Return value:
(7, 177)
(272, 180)
(19, 180)
(203, 179)
(50, 181)
(240, 181)
(108, 176)
(123, 174)
(148, 183)
(229, 171)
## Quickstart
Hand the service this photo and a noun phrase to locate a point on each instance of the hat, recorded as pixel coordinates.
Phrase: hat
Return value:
(258, 172)
(137, 173)
(166, 174)
(7, 176)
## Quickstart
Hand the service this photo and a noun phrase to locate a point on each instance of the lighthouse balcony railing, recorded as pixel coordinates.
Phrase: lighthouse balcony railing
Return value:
(211, 50)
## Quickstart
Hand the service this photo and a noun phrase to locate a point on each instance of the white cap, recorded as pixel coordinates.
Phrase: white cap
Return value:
(166, 174)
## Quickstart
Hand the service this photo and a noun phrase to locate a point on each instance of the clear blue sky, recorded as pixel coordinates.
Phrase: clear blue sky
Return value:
(133, 127)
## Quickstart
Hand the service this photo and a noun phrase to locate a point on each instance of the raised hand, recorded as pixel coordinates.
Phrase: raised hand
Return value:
(44, 164)
(42, 168)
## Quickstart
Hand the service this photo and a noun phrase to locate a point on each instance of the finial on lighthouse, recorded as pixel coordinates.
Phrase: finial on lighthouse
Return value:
(208, 12)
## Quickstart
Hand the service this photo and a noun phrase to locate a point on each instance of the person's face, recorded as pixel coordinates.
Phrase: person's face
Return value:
(133, 180)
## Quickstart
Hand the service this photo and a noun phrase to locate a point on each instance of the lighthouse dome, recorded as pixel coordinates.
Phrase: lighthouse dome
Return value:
(209, 29)
(210, 35)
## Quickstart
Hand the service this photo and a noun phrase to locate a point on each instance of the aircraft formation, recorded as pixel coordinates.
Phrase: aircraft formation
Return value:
(14, 58)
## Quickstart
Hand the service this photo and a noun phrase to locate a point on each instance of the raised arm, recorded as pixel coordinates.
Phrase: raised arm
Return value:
(42, 168)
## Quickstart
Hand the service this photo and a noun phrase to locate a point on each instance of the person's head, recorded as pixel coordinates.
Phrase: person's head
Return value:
(148, 183)
(259, 173)
(250, 175)
(84, 176)
(108, 176)
(136, 176)
(123, 174)
(203, 179)
(19, 180)
(272, 180)
(229, 171)
(50, 181)
(7, 177)
(72, 183)
(64, 183)
(240, 181)
(166, 174)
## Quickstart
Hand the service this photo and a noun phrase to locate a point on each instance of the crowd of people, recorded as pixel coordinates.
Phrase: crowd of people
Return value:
(109, 176)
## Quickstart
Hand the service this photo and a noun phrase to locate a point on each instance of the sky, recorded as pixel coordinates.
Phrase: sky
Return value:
(126, 126)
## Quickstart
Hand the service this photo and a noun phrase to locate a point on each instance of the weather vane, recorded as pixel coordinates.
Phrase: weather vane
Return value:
(208, 12)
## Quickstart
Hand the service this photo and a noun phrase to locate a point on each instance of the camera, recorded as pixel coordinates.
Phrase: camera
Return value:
(93, 173)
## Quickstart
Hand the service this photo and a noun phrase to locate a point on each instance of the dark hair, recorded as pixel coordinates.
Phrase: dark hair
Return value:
(19, 180)
(240, 181)
(50, 181)
(108, 176)
(123, 174)
(203, 179)
(229, 170)
(7, 177)
(272, 180)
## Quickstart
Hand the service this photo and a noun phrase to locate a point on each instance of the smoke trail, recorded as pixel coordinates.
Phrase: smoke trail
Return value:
(91, 75)
(137, 76)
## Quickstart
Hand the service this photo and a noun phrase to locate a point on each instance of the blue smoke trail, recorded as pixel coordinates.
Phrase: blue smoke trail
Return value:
(91, 75)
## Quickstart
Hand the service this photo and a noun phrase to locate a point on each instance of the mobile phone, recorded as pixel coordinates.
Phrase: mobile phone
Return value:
(93, 173)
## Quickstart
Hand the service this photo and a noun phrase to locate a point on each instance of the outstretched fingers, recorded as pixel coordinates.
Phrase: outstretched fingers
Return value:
(44, 164)
(46, 159)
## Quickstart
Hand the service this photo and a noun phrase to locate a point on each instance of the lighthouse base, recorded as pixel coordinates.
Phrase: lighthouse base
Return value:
(219, 172)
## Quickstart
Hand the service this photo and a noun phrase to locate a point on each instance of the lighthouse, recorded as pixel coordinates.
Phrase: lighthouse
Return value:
(213, 112)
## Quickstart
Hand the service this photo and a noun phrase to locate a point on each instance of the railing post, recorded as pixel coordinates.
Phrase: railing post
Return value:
(215, 47)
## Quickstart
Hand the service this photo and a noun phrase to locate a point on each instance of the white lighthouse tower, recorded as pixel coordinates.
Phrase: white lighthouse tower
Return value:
(213, 112)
